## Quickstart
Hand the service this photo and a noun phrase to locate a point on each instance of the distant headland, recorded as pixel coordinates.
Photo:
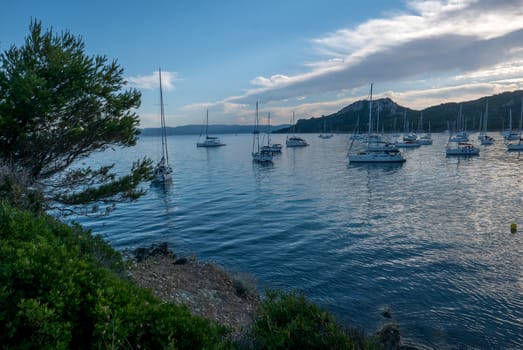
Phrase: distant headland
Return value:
(392, 117)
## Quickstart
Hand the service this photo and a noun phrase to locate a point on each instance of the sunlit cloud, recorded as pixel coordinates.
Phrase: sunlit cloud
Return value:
(429, 53)
(152, 81)
(464, 38)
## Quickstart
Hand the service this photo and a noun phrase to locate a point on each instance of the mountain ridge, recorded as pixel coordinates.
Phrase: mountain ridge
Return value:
(389, 115)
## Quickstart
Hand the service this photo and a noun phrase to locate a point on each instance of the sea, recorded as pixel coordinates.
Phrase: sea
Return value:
(429, 239)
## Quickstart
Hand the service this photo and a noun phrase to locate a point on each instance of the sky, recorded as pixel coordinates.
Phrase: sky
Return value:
(308, 57)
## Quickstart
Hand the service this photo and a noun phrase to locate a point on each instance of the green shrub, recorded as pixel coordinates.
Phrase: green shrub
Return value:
(57, 293)
(289, 321)
(62, 288)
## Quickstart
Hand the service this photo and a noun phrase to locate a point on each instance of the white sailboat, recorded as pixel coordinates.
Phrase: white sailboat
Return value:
(518, 146)
(373, 153)
(208, 141)
(425, 139)
(460, 146)
(274, 147)
(259, 155)
(511, 135)
(462, 149)
(163, 171)
(295, 141)
(324, 135)
(483, 137)
(461, 135)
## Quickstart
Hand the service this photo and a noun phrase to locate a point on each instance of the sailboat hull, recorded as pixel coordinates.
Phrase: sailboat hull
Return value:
(462, 149)
(274, 148)
(296, 142)
(163, 173)
(262, 157)
(376, 157)
(210, 143)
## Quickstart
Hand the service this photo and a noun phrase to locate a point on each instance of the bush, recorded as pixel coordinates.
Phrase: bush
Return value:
(62, 288)
(57, 292)
(289, 321)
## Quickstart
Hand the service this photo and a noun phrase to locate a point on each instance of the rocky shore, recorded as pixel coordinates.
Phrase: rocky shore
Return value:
(205, 288)
(213, 293)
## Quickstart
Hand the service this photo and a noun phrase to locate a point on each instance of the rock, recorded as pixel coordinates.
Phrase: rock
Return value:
(389, 337)
(181, 261)
(161, 249)
(387, 313)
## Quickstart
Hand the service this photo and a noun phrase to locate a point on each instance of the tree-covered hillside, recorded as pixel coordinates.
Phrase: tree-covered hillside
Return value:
(391, 116)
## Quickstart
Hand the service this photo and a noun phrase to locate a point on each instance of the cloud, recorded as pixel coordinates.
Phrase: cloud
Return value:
(457, 38)
(272, 81)
(152, 81)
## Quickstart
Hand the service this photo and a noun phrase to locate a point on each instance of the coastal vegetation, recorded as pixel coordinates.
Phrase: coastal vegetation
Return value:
(58, 106)
(64, 288)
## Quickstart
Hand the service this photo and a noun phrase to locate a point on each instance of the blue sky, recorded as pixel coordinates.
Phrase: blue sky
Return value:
(311, 57)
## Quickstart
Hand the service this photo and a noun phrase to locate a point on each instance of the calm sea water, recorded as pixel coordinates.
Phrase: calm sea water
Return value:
(430, 238)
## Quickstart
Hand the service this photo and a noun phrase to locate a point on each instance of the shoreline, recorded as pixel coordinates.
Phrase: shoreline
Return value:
(210, 291)
(207, 289)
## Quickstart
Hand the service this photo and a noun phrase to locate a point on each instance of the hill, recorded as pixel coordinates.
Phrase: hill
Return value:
(215, 129)
(391, 115)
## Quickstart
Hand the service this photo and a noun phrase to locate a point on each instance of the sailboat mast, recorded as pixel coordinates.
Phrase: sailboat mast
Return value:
(370, 110)
(293, 123)
(378, 118)
(521, 118)
(162, 121)
(485, 118)
(207, 124)
(270, 129)
(256, 132)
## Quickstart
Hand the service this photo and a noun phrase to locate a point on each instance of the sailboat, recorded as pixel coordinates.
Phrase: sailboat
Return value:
(275, 147)
(458, 145)
(259, 155)
(518, 146)
(163, 171)
(324, 135)
(511, 135)
(483, 137)
(208, 141)
(373, 154)
(461, 135)
(425, 139)
(295, 141)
